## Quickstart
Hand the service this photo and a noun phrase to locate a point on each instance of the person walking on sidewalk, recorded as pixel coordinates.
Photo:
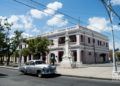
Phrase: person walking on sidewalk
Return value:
(52, 60)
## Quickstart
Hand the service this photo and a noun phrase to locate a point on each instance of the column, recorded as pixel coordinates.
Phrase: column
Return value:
(78, 55)
(17, 60)
(22, 59)
(27, 58)
(31, 57)
(78, 39)
(79, 61)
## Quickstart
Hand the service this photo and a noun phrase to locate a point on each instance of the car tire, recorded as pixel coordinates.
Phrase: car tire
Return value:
(25, 73)
(39, 74)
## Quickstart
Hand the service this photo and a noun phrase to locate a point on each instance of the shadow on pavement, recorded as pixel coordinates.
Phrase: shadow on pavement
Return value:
(52, 76)
(2, 75)
(44, 76)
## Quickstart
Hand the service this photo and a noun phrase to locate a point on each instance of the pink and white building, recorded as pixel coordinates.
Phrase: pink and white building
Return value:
(87, 46)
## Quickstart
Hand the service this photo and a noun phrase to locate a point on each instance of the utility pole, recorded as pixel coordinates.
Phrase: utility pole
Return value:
(109, 10)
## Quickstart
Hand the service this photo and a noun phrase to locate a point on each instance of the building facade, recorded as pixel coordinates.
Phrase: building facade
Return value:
(86, 46)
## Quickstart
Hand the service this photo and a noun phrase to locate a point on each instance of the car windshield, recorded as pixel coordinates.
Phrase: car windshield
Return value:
(39, 62)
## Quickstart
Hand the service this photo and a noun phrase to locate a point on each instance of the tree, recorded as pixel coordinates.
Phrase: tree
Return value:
(42, 44)
(13, 44)
(38, 46)
(8, 45)
(3, 36)
(118, 55)
(16, 53)
(25, 52)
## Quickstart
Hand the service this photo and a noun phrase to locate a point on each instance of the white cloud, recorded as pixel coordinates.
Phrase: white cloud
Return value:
(98, 24)
(36, 30)
(27, 21)
(57, 20)
(115, 2)
(52, 7)
(55, 5)
(24, 23)
(50, 10)
(2, 17)
(21, 21)
(36, 13)
(13, 19)
(26, 35)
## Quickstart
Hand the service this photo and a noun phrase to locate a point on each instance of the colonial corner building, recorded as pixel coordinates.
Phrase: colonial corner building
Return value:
(86, 46)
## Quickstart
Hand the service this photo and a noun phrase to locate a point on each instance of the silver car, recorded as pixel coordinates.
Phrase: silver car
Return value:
(37, 67)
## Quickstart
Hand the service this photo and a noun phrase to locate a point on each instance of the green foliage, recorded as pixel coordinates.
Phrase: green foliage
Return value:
(15, 41)
(118, 55)
(4, 29)
(38, 45)
(25, 52)
(8, 45)
(16, 53)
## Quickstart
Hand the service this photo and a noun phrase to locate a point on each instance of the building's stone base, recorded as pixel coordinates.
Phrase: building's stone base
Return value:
(79, 64)
(67, 63)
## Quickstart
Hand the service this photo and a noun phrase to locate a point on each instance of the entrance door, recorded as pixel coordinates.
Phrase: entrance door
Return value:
(83, 57)
(60, 55)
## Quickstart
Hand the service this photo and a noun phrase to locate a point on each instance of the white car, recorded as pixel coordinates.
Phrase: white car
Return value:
(37, 67)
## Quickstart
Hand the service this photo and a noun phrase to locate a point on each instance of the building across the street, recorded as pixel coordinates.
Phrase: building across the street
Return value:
(86, 46)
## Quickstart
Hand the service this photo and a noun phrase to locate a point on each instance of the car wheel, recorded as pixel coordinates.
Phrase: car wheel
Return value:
(39, 74)
(25, 72)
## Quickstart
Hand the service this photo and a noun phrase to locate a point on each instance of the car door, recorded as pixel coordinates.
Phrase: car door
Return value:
(31, 68)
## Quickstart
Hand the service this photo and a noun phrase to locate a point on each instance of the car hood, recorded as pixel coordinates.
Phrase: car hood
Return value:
(42, 65)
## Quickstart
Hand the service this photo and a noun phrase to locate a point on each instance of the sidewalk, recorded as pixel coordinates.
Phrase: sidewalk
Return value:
(87, 72)
(8, 67)
(83, 72)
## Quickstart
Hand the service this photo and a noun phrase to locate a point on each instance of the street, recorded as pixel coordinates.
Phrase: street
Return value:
(9, 77)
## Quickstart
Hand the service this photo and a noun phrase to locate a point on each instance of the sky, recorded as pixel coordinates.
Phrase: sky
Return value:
(38, 19)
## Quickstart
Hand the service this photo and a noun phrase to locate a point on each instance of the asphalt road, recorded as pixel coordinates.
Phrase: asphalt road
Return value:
(10, 77)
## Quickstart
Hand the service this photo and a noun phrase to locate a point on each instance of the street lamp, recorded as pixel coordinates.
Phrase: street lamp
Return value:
(108, 7)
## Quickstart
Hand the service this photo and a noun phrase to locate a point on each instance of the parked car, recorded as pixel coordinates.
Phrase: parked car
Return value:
(37, 67)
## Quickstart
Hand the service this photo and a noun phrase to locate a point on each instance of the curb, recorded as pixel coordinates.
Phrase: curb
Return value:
(8, 67)
(66, 75)
(87, 77)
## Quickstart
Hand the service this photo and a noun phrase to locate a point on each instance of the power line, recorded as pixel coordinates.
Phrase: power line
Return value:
(110, 7)
(49, 13)
(41, 11)
(54, 10)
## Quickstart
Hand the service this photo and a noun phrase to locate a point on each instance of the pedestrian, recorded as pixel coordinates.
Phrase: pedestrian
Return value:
(52, 60)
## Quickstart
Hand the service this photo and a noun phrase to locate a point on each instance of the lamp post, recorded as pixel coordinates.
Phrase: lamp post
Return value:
(108, 7)
(113, 41)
